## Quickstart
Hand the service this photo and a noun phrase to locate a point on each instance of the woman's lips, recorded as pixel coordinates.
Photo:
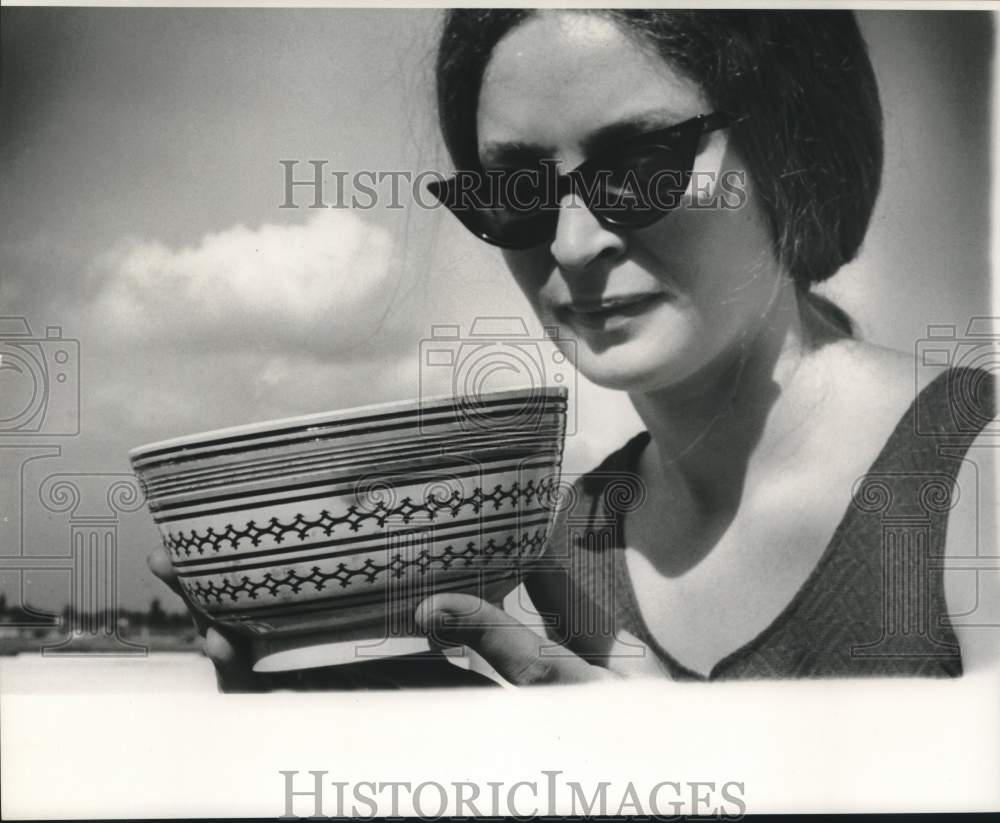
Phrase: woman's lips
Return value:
(612, 310)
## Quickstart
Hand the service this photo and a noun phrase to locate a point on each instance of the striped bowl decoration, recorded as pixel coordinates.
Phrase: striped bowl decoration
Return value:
(319, 535)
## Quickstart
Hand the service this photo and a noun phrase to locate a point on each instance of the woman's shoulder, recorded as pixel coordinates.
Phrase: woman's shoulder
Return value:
(874, 373)
(942, 392)
(868, 393)
(872, 411)
(939, 469)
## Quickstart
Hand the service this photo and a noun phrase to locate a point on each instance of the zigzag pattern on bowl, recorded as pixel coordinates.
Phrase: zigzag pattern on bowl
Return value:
(369, 571)
(440, 538)
(214, 540)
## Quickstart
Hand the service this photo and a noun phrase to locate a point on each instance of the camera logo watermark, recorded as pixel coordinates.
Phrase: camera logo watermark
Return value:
(39, 381)
(972, 362)
(495, 351)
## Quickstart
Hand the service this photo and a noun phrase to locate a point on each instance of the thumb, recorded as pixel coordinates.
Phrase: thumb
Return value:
(518, 654)
(233, 670)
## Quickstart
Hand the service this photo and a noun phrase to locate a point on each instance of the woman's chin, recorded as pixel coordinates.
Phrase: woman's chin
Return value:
(653, 350)
(635, 374)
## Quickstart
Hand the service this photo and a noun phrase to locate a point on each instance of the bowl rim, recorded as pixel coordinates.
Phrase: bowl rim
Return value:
(275, 426)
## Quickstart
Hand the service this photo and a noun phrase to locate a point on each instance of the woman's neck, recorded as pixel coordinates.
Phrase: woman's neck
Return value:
(748, 405)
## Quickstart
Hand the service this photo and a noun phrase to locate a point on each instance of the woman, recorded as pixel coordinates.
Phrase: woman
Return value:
(759, 546)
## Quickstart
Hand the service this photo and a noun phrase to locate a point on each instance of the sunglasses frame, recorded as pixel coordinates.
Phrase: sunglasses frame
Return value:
(681, 137)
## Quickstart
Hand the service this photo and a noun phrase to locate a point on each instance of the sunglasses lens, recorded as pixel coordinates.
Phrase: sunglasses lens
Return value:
(517, 230)
(643, 185)
(505, 211)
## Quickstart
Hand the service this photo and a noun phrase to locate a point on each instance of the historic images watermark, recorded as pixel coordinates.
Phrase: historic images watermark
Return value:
(310, 184)
(313, 794)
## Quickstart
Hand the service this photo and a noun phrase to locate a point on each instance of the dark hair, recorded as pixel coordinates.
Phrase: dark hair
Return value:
(813, 138)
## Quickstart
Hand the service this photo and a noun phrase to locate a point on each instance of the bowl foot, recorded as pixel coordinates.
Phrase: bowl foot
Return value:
(289, 652)
(309, 652)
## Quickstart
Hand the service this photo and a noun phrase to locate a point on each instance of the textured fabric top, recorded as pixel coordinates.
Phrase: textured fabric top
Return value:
(873, 605)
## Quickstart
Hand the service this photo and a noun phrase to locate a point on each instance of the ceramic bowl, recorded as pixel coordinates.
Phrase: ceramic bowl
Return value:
(319, 535)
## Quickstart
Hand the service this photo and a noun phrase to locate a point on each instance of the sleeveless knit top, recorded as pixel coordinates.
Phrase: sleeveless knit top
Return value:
(873, 605)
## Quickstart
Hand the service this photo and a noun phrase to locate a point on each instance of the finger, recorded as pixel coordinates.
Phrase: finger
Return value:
(518, 654)
(595, 635)
(232, 662)
(160, 565)
(228, 654)
(221, 650)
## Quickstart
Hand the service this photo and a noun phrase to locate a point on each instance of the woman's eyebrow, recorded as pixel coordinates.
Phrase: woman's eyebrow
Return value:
(515, 151)
(620, 130)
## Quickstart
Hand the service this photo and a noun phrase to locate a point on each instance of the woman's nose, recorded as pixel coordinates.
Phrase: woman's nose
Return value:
(580, 238)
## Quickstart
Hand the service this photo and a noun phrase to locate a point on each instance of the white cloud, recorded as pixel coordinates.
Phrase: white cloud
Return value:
(319, 286)
(245, 324)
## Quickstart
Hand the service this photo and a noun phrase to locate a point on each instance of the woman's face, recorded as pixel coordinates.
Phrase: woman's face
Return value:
(646, 308)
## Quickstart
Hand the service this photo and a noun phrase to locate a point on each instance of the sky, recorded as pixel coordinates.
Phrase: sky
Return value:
(140, 214)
